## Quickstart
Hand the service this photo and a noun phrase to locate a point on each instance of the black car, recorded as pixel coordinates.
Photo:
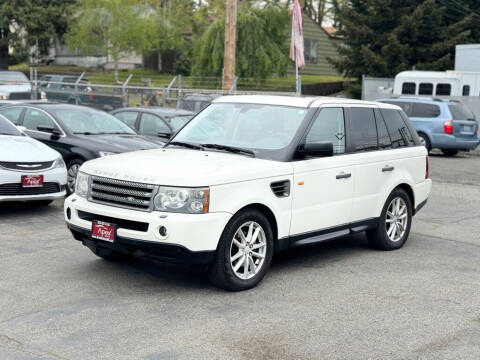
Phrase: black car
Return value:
(158, 122)
(77, 132)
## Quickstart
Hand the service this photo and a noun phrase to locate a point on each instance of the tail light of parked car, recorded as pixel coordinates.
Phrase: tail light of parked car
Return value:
(448, 127)
(427, 168)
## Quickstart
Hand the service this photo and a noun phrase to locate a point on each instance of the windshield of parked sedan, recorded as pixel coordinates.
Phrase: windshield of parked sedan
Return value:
(90, 122)
(176, 122)
(12, 78)
(7, 128)
(249, 126)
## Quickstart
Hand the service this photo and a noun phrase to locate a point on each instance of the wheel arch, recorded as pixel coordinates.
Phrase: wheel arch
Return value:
(404, 185)
(409, 190)
(267, 212)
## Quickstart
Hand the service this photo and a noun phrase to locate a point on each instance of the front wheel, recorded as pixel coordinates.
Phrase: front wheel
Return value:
(72, 171)
(394, 223)
(244, 252)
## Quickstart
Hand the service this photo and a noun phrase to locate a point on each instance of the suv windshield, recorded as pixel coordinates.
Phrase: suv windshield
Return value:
(12, 78)
(247, 126)
(461, 112)
(7, 128)
(90, 122)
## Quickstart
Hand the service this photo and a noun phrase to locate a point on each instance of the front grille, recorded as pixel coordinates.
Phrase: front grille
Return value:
(26, 166)
(20, 96)
(121, 223)
(121, 193)
(16, 189)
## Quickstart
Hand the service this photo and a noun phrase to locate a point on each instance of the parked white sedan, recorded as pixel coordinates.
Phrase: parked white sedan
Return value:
(29, 170)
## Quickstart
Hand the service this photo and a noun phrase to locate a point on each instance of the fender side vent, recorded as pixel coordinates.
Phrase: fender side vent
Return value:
(281, 188)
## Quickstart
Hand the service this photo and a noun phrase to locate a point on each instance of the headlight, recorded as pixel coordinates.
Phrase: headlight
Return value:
(81, 185)
(59, 163)
(105, 153)
(182, 200)
(43, 95)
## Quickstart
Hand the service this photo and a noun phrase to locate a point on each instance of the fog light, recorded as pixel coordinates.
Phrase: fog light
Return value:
(69, 213)
(162, 231)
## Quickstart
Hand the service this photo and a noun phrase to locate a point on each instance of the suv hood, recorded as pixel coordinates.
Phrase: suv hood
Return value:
(184, 167)
(25, 149)
(119, 143)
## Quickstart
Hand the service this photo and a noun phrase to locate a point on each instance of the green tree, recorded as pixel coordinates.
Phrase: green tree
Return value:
(384, 37)
(114, 26)
(261, 47)
(31, 23)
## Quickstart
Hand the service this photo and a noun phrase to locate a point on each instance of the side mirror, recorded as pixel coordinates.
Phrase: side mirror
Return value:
(165, 135)
(48, 129)
(317, 149)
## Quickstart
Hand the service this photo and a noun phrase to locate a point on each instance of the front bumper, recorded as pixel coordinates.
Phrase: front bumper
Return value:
(190, 232)
(51, 176)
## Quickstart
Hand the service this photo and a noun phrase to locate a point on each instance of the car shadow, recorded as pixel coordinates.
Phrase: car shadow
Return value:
(12, 209)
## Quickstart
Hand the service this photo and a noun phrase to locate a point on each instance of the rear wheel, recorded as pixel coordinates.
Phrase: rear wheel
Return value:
(425, 141)
(244, 252)
(449, 152)
(394, 223)
(72, 171)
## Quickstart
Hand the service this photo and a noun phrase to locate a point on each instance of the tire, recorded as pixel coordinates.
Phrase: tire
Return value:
(448, 152)
(380, 238)
(230, 274)
(72, 170)
(425, 141)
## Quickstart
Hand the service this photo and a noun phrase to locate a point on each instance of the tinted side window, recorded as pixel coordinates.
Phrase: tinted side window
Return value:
(128, 117)
(461, 112)
(152, 125)
(384, 141)
(425, 89)
(364, 129)
(34, 118)
(329, 126)
(397, 128)
(466, 90)
(443, 89)
(409, 88)
(422, 110)
(12, 114)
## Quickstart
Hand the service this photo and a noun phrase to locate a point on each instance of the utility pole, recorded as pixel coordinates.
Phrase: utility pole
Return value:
(230, 39)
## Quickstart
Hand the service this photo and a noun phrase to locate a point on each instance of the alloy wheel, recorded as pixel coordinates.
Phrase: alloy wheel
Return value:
(72, 177)
(248, 250)
(396, 220)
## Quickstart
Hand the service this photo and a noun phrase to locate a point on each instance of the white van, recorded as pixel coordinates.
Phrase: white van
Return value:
(252, 175)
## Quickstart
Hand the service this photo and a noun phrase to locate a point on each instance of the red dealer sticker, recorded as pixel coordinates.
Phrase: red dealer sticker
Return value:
(103, 231)
(32, 181)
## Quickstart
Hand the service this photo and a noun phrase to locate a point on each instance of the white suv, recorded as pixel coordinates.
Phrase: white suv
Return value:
(252, 175)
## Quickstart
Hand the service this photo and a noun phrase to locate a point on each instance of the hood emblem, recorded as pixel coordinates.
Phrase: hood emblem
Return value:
(130, 199)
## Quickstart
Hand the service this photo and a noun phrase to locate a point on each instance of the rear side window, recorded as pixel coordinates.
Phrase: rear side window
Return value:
(12, 114)
(409, 88)
(425, 89)
(422, 110)
(461, 112)
(466, 90)
(397, 128)
(406, 106)
(384, 141)
(364, 129)
(443, 89)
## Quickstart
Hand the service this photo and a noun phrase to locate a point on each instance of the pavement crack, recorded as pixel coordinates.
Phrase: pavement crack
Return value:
(14, 345)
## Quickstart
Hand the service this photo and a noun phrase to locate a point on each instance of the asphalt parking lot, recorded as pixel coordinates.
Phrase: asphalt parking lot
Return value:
(336, 300)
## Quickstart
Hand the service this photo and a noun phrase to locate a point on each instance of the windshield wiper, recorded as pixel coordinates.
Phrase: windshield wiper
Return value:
(84, 133)
(186, 144)
(231, 149)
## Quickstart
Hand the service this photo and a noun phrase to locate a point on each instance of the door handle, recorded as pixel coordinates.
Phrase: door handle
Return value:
(388, 168)
(343, 175)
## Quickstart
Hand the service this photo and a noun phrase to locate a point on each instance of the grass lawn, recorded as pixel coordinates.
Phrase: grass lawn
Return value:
(157, 79)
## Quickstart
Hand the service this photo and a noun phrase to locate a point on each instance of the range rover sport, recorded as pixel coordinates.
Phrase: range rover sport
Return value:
(253, 175)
